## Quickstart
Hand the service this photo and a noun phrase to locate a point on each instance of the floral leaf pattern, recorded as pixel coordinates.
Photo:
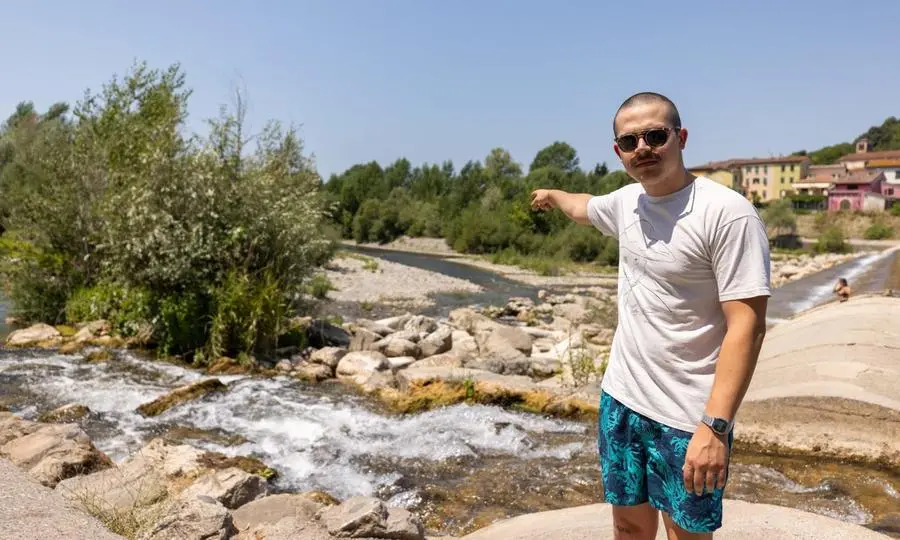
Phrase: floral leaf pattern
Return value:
(640, 461)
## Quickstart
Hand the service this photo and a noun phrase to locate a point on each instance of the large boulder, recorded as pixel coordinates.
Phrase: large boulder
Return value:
(38, 334)
(193, 516)
(49, 453)
(437, 342)
(329, 356)
(285, 516)
(322, 333)
(498, 344)
(393, 346)
(366, 517)
(232, 487)
(358, 366)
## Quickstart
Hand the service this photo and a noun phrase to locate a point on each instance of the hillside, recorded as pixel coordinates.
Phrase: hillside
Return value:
(883, 137)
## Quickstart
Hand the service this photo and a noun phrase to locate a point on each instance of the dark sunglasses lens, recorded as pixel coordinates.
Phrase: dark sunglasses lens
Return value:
(628, 142)
(657, 137)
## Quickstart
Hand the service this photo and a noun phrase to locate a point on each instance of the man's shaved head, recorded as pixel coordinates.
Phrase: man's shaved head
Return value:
(650, 97)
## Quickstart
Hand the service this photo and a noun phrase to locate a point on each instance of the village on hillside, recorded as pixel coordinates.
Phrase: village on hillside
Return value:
(864, 180)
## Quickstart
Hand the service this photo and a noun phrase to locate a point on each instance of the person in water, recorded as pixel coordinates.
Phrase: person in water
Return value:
(693, 289)
(842, 290)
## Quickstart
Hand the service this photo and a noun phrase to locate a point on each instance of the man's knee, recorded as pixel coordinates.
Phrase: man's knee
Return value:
(635, 522)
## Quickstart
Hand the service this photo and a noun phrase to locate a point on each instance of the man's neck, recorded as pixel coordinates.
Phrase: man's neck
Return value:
(670, 185)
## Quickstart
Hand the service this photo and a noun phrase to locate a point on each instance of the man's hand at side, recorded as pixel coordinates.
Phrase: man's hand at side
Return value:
(706, 462)
(573, 205)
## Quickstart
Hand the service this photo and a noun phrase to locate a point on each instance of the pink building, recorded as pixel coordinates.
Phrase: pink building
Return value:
(857, 190)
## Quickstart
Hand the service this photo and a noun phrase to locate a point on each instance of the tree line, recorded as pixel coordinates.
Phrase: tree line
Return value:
(881, 138)
(482, 208)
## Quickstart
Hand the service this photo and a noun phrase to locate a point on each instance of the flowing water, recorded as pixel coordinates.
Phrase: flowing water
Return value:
(462, 467)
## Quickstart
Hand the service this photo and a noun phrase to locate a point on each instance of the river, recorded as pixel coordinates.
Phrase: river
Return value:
(461, 467)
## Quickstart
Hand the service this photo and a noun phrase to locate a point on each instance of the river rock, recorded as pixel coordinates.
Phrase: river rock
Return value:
(397, 322)
(65, 414)
(322, 333)
(420, 324)
(376, 327)
(329, 356)
(232, 487)
(284, 365)
(313, 372)
(395, 346)
(366, 517)
(181, 395)
(358, 366)
(401, 362)
(571, 311)
(440, 360)
(437, 342)
(285, 516)
(363, 340)
(543, 367)
(409, 334)
(463, 345)
(50, 453)
(92, 330)
(193, 517)
(37, 334)
(517, 305)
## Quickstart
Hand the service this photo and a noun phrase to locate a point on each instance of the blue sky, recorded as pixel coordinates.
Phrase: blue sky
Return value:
(429, 80)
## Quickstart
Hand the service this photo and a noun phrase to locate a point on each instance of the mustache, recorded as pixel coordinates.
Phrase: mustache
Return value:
(644, 158)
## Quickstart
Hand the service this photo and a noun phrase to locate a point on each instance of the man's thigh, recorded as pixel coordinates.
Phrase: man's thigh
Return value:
(688, 512)
(623, 462)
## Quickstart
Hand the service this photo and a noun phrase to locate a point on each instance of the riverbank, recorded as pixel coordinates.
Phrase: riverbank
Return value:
(786, 266)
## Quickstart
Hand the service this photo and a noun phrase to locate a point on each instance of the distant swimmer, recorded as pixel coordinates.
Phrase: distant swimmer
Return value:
(842, 290)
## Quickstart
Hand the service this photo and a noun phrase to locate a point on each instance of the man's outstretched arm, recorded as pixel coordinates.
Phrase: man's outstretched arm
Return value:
(573, 205)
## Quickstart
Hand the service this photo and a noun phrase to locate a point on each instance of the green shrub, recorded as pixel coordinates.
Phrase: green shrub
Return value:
(119, 214)
(895, 210)
(126, 308)
(878, 231)
(832, 241)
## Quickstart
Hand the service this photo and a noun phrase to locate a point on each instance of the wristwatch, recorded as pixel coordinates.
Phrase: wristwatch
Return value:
(719, 425)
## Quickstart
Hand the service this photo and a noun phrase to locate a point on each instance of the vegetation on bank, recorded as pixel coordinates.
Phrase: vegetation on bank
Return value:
(881, 138)
(483, 208)
(203, 245)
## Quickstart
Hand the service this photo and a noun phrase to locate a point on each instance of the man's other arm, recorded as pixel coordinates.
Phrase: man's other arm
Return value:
(746, 329)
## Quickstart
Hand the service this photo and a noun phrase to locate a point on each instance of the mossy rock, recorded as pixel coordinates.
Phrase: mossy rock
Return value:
(98, 356)
(228, 366)
(66, 331)
(181, 395)
(250, 465)
(71, 347)
(65, 414)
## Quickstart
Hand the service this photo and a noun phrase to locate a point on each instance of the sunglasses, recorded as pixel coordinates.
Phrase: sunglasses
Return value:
(654, 137)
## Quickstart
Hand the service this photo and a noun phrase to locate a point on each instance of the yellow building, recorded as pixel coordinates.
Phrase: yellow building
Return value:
(769, 179)
(723, 172)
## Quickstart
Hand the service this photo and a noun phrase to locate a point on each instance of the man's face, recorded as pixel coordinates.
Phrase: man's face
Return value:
(649, 165)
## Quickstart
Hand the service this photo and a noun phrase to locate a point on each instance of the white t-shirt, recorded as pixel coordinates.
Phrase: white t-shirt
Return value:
(679, 256)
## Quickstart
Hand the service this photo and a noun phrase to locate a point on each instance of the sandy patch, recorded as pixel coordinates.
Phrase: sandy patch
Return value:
(372, 280)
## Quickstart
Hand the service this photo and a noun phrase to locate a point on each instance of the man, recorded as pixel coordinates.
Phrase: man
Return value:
(692, 296)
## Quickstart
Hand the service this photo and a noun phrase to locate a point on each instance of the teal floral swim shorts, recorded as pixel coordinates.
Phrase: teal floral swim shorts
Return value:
(641, 461)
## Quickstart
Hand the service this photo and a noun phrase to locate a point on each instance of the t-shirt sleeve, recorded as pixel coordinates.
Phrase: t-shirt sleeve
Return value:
(740, 259)
(602, 211)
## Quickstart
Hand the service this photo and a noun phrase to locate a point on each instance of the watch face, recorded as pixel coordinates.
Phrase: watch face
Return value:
(720, 425)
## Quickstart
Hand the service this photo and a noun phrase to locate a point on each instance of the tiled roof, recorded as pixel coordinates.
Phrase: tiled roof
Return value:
(820, 179)
(714, 165)
(868, 156)
(884, 163)
(773, 159)
(859, 177)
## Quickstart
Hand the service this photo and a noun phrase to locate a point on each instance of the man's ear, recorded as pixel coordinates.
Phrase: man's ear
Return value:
(618, 152)
(682, 137)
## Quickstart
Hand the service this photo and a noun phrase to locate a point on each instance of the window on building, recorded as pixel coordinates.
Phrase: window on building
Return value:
(756, 180)
(792, 167)
(765, 168)
(765, 181)
(756, 169)
(764, 194)
(782, 168)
